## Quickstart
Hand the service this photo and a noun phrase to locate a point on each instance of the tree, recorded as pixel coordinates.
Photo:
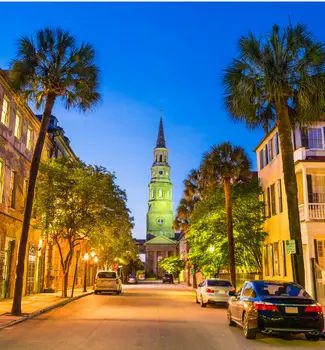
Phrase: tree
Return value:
(173, 265)
(48, 67)
(76, 202)
(279, 79)
(207, 235)
(224, 165)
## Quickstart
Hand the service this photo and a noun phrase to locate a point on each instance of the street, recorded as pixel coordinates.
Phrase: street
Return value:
(146, 316)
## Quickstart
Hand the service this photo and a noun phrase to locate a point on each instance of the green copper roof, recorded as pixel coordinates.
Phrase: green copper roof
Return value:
(160, 240)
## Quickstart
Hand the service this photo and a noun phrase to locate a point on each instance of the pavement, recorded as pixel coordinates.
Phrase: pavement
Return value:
(35, 304)
(147, 316)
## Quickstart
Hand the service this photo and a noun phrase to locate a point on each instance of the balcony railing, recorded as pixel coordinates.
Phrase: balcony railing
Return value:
(316, 211)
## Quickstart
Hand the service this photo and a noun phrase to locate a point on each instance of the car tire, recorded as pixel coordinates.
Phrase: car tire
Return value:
(249, 333)
(202, 303)
(231, 323)
(96, 292)
(196, 299)
(312, 337)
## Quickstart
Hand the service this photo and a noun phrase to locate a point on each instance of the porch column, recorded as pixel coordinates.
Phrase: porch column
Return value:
(305, 191)
(155, 258)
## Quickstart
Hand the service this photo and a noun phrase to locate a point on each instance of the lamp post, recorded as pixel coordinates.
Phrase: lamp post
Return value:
(86, 257)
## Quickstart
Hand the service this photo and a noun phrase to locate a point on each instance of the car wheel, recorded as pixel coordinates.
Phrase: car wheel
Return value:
(202, 303)
(312, 337)
(96, 292)
(196, 299)
(231, 323)
(249, 333)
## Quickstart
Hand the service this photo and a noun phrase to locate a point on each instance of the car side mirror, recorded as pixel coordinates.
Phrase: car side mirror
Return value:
(232, 293)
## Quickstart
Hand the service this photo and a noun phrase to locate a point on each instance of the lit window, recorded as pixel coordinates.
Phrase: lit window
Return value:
(29, 140)
(160, 193)
(2, 178)
(5, 112)
(18, 125)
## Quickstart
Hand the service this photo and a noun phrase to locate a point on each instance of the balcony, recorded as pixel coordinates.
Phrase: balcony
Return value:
(315, 211)
(303, 153)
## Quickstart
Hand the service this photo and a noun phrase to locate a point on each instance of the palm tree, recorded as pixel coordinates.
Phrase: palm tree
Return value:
(48, 67)
(280, 79)
(224, 165)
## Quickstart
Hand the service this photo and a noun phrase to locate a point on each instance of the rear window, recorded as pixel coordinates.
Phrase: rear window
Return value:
(281, 290)
(106, 275)
(218, 283)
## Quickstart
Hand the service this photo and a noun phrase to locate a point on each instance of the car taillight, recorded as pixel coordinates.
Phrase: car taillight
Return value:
(265, 307)
(313, 308)
(209, 290)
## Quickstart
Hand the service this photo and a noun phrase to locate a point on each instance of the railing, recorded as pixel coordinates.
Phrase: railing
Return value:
(316, 211)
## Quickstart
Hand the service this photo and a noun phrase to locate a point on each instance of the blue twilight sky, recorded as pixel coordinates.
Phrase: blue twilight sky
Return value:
(154, 56)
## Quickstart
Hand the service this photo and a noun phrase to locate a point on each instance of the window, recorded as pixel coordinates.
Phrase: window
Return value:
(266, 156)
(316, 188)
(266, 262)
(261, 159)
(160, 193)
(271, 260)
(29, 140)
(13, 189)
(268, 203)
(276, 258)
(277, 148)
(218, 283)
(18, 124)
(248, 292)
(5, 111)
(270, 149)
(25, 190)
(160, 158)
(106, 275)
(273, 206)
(283, 256)
(315, 139)
(280, 196)
(2, 178)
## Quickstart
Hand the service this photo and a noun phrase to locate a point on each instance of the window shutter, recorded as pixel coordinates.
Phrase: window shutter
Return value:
(266, 155)
(310, 189)
(304, 137)
(277, 149)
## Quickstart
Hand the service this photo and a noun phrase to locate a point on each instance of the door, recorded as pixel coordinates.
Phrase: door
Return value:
(31, 267)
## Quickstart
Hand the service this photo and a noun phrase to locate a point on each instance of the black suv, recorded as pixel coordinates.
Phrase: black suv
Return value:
(168, 278)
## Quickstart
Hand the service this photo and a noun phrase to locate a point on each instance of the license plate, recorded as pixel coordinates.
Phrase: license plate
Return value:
(291, 310)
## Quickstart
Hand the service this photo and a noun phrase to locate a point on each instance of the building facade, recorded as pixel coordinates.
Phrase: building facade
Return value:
(309, 158)
(161, 240)
(19, 129)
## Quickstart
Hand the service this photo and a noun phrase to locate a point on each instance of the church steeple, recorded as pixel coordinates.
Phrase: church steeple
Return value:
(161, 143)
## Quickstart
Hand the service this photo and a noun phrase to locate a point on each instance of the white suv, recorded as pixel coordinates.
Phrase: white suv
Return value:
(107, 281)
(213, 290)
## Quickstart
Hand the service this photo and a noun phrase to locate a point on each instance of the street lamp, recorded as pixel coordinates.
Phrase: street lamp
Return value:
(211, 249)
(86, 257)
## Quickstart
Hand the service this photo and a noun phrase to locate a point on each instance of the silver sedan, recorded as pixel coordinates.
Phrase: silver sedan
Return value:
(213, 291)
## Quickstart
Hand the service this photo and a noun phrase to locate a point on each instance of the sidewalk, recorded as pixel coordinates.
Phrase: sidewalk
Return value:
(35, 304)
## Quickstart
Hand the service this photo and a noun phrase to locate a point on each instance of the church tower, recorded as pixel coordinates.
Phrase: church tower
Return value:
(160, 214)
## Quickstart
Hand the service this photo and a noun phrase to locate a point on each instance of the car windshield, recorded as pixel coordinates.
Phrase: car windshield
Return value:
(106, 275)
(281, 289)
(132, 276)
(218, 283)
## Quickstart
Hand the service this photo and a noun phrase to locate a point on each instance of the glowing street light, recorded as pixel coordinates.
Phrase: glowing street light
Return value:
(95, 259)
(92, 254)
(211, 249)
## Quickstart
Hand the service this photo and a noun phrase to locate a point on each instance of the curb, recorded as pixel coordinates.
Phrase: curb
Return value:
(46, 309)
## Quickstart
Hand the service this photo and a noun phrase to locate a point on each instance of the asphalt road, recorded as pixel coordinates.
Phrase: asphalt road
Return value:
(150, 317)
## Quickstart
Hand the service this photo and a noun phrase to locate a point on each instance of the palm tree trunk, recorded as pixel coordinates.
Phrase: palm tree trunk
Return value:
(290, 183)
(231, 247)
(16, 306)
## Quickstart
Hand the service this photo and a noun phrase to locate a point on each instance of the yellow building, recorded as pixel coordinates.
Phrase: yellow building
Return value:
(309, 158)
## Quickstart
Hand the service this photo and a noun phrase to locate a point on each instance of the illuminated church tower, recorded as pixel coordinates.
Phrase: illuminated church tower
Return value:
(160, 206)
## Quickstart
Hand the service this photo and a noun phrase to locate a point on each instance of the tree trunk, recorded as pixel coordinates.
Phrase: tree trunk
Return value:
(16, 305)
(194, 280)
(65, 281)
(231, 248)
(290, 183)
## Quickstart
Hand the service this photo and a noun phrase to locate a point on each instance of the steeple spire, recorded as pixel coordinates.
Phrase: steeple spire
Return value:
(161, 143)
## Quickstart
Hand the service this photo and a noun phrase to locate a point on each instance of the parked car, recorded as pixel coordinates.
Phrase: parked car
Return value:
(168, 278)
(107, 281)
(213, 291)
(132, 279)
(268, 306)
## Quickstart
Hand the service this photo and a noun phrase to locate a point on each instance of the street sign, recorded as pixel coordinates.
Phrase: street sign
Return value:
(291, 246)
